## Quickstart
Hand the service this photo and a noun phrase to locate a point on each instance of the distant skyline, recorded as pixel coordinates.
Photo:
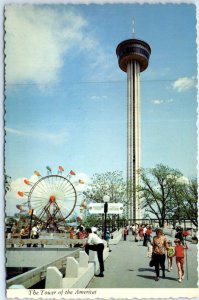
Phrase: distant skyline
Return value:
(66, 96)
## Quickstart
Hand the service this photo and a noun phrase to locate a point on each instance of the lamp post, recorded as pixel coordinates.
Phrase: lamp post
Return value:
(106, 200)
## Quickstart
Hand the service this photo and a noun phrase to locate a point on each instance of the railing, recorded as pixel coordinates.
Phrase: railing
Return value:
(32, 277)
(42, 242)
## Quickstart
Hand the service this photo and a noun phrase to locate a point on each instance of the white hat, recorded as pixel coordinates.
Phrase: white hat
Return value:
(94, 229)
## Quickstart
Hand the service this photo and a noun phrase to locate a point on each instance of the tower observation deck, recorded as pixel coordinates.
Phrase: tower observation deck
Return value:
(133, 58)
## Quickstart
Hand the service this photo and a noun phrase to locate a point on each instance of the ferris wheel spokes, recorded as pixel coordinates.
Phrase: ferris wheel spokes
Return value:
(52, 197)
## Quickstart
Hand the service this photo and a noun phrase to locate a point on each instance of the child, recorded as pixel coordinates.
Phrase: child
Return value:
(149, 249)
(72, 233)
(179, 253)
(170, 254)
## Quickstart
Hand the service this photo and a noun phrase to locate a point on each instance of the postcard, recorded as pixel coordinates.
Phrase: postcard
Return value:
(100, 150)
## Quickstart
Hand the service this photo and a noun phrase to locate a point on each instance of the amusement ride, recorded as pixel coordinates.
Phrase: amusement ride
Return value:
(51, 199)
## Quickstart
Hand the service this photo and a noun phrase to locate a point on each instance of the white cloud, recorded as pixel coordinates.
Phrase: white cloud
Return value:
(54, 138)
(158, 101)
(97, 98)
(37, 38)
(184, 83)
(12, 197)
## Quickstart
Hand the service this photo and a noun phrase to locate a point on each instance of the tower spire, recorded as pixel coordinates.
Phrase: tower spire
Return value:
(133, 28)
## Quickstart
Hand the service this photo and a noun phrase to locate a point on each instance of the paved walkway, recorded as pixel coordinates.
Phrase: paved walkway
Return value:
(128, 267)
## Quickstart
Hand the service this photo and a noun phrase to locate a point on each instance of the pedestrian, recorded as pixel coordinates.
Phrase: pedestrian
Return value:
(136, 232)
(159, 250)
(170, 254)
(34, 232)
(107, 238)
(148, 234)
(145, 235)
(141, 235)
(95, 243)
(24, 233)
(179, 254)
(179, 234)
(72, 233)
(125, 232)
(133, 229)
(80, 233)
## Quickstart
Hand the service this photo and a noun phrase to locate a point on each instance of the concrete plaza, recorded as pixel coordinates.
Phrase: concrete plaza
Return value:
(128, 267)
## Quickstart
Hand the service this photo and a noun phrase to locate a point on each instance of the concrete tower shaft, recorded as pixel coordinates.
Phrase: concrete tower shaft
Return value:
(133, 57)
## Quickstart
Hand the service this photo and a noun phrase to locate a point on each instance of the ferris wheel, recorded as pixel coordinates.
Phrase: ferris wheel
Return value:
(53, 197)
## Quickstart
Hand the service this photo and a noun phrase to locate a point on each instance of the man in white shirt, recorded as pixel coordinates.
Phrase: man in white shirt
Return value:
(34, 232)
(94, 243)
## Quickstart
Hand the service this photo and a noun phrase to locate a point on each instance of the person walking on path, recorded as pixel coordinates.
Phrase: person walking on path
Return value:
(107, 239)
(133, 229)
(125, 232)
(136, 232)
(179, 234)
(148, 234)
(170, 254)
(141, 232)
(95, 243)
(145, 236)
(160, 247)
(179, 254)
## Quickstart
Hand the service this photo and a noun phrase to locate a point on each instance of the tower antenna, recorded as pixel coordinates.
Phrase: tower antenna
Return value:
(133, 28)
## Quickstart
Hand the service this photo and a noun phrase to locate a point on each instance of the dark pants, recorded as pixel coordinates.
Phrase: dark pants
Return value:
(145, 240)
(99, 248)
(159, 262)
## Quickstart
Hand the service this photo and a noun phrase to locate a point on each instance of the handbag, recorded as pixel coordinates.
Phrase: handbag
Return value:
(152, 261)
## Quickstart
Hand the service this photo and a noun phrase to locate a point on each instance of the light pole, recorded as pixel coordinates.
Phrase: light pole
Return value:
(106, 200)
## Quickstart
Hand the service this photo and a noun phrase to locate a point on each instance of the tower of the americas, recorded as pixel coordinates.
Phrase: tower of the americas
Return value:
(133, 58)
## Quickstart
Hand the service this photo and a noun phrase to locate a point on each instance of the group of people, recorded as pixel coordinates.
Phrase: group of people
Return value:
(158, 248)
(79, 233)
(161, 248)
(94, 242)
(140, 231)
(25, 232)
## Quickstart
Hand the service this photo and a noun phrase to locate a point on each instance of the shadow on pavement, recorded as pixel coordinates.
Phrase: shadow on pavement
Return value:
(146, 269)
(147, 276)
(153, 277)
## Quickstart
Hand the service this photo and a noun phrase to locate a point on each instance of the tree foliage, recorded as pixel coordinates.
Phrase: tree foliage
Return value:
(190, 201)
(109, 183)
(164, 194)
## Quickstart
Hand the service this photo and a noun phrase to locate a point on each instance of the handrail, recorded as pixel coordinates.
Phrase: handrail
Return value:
(32, 277)
(65, 241)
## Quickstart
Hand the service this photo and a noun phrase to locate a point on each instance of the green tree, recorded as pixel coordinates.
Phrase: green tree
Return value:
(190, 201)
(156, 191)
(109, 183)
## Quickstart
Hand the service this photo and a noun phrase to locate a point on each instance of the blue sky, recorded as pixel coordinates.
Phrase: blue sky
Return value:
(66, 96)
